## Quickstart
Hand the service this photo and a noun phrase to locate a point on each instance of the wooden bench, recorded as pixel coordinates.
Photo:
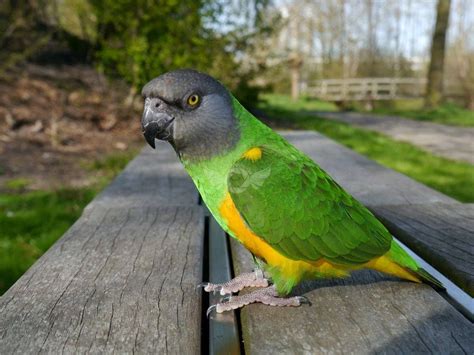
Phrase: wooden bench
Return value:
(369, 312)
(123, 278)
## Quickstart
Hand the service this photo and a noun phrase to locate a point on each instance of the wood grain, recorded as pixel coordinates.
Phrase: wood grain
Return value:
(120, 280)
(442, 234)
(367, 313)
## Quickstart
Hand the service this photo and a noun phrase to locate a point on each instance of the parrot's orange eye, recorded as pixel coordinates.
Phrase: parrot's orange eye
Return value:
(193, 100)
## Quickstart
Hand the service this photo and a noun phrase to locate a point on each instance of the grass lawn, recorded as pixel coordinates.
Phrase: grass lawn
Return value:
(284, 102)
(455, 179)
(448, 113)
(30, 222)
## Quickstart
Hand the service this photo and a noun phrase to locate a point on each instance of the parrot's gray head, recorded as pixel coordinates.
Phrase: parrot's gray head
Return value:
(192, 111)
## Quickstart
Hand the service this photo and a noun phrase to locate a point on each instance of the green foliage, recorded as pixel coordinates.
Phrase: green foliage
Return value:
(30, 223)
(450, 177)
(17, 184)
(139, 40)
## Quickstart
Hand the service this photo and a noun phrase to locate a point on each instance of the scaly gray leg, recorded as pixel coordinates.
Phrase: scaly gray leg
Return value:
(268, 296)
(249, 279)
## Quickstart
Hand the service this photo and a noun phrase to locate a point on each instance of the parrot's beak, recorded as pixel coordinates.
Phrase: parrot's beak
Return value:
(156, 123)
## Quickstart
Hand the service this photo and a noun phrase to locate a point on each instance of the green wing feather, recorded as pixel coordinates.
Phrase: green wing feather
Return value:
(287, 200)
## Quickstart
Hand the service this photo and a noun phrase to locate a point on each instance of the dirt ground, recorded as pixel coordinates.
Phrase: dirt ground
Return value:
(53, 120)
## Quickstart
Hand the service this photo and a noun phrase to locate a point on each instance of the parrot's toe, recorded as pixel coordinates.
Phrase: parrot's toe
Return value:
(267, 296)
(250, 279)
(210, 287)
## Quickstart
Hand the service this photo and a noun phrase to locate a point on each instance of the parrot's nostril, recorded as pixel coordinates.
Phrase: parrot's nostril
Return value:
(157, 105)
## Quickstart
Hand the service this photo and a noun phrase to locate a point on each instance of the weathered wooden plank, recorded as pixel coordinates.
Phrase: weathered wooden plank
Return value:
(442, 234)
(367, 313)
(120, 280)
(371, 183)
(153, 178)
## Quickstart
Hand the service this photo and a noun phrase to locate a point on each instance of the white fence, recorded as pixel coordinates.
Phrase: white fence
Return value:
(365, 89)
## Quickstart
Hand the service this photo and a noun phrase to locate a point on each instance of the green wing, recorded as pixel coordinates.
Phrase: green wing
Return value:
(297, 208)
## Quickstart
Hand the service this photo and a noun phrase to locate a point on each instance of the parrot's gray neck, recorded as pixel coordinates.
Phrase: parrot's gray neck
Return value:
(208, 144)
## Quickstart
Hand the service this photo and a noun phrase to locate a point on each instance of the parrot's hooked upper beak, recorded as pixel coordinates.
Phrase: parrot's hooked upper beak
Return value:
(156, 123)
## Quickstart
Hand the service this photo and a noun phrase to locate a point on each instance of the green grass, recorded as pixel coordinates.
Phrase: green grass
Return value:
(108, 167)
(18, 183)
(452, 178)
(284, 101)
(448, 113)
(30, 222)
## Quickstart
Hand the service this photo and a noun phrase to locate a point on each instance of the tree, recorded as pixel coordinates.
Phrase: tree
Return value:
(434, 91)
(459, 66)
(138, 39)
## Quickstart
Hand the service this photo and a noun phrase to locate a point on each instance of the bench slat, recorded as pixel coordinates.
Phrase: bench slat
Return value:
(367, 313)
(121, 279)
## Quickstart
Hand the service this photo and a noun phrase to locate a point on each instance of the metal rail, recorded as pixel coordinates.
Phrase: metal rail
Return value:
(223, 328)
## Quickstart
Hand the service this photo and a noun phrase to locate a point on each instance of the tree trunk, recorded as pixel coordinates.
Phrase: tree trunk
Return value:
(434, 91)
(295, 66)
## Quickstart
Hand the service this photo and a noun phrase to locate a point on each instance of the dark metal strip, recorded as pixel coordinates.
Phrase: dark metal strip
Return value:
(223, 328)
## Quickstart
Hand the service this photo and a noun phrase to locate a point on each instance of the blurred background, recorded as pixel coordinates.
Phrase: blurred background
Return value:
(358, 71)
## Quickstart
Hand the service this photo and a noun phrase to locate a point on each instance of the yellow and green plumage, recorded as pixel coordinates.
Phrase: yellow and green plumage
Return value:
(291, 214)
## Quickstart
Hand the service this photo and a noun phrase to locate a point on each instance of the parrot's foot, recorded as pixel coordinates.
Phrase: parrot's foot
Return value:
(268, 296)
(249, 279)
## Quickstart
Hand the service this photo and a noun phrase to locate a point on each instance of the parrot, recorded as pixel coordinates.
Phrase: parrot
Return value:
(296, 220)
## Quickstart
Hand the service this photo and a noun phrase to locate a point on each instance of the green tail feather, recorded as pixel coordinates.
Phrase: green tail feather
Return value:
(429, 279)
(402, 258)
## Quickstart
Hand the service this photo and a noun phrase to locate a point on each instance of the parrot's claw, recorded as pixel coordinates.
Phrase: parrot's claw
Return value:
(304, 300)
(250, 279)
(210, 309)
(268, 296)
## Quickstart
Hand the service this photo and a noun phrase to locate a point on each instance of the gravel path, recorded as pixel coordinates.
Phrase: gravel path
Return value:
(448, 141)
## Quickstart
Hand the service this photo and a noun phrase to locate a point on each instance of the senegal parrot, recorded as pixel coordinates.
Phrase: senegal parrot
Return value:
(289, 213)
